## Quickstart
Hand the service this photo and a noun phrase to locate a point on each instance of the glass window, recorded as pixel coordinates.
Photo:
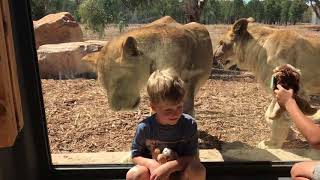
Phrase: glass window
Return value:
(93, 78)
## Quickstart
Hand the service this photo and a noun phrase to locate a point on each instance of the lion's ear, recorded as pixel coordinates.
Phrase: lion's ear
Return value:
(91, 58)
(130, 47)
(240, 27)
(251, 19)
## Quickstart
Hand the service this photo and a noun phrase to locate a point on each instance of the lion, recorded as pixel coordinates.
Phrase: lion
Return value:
(125, 63)
(261, 49)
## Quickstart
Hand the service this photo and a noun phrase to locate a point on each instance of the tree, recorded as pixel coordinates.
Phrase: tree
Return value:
(315, 4)
(272, 11)
(93, 14)
(193, 9)
(238, 9)
(38, 9)
(227, 12)
(212, 12)
(255, 9)
(307, 15)
(296, 11)
(41, 8)
(285, 6)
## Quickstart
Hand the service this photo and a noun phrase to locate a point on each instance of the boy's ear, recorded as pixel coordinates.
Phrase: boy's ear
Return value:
(152, 106)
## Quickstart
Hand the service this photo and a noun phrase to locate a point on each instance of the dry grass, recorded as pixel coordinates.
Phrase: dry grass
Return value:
(227, 111)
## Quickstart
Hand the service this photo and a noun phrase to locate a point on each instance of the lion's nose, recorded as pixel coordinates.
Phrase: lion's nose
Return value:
(227, 62)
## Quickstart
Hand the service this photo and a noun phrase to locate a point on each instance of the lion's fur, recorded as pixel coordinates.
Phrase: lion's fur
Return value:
(261, 49)
(127, 61)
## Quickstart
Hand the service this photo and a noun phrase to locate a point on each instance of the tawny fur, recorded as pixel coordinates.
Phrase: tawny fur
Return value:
(126, 62)
(261, 49)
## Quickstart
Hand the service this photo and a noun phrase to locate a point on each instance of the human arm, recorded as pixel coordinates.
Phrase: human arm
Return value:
(304, 124)
(139, 151)
(151, 164)
(169, 167)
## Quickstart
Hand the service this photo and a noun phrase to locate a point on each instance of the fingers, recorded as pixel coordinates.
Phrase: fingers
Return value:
(290, 91)
(282, 90)
(152, 177)
(279, 87)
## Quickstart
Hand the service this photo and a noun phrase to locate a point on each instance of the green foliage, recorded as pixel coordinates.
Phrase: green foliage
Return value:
(123, 22)
(285, 5)
(238, 9)
(38, 9)
(296, 11)
(97, 14)
(159, 8)
(227, 12)
(272, 9)
(41, 8)
(212, 12)
(93, 14)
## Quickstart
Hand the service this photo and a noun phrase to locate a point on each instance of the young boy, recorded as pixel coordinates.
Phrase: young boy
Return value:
(303, 170)
(167, 128)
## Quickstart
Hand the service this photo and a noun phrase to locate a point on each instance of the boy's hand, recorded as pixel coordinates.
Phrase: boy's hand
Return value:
(153, 165)
(162, 172)
(283, 96)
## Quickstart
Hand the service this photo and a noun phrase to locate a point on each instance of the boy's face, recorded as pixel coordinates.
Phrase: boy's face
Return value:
(168, 113)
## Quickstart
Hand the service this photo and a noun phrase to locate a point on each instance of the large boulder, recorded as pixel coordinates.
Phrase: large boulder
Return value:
(57, 28)
(61, 61)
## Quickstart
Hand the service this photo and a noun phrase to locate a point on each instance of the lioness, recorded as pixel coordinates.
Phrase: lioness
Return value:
(260, 50)
(126, 62)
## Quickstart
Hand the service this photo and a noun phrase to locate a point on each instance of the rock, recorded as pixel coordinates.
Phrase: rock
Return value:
(57, 28)
(64, 60)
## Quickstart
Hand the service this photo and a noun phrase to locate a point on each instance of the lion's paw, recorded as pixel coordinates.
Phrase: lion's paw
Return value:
(292, 135)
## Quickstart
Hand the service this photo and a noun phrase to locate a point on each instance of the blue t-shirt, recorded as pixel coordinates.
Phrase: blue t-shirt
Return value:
(181, 137)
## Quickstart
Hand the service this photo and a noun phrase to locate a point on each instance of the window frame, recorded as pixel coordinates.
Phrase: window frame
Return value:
(32, 143)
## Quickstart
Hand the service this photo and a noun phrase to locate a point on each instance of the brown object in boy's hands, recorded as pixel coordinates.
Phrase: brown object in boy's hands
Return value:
(155, 153)
(161, 158)
(166, 155)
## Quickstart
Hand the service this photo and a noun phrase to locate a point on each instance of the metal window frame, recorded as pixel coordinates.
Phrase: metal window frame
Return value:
(31, 152)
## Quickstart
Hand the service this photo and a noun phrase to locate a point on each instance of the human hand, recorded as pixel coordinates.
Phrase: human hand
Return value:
(161, 173)
(153, 165)
(283, 96)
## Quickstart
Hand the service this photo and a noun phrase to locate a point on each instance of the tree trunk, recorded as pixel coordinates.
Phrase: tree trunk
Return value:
(315, 4)
(193, 9)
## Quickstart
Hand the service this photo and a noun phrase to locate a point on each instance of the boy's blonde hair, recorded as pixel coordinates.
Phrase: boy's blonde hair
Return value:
(165, 85)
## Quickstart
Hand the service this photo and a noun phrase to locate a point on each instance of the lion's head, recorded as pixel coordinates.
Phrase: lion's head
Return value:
(123, 71)
(226, 50)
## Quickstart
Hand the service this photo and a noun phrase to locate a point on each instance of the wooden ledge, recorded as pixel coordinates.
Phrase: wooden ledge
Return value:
(206, 155)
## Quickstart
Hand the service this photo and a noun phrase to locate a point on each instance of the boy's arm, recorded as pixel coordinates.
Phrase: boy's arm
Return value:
(139, 149)
(305, 125)
(151, 164)
(180, 164)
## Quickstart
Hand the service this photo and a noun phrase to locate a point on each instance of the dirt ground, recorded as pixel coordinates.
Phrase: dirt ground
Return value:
(228, 111)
